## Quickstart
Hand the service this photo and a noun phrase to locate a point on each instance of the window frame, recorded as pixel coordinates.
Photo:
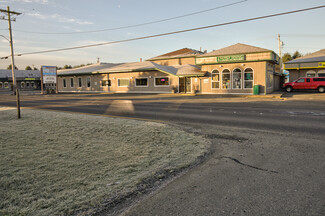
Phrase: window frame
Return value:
(118, 82)
(71, 82)
(222, 73)
(311, 72)
(88, 79)
(252, 80)
(159, 77)
(6, 85)
(80, 82)
(241, 78)
(321, 72)
(135, 83)
(1, 85)
(64, 83)
(109, 83)
(215, 71)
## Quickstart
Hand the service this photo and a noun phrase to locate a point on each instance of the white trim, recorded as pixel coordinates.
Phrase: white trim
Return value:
(135, 82)
(154, 81)
(118, 84)
(249, 80)
(222, 78)
(215, 81)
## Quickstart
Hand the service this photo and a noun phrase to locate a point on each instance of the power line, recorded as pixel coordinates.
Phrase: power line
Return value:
(136, 25)
(170, 33)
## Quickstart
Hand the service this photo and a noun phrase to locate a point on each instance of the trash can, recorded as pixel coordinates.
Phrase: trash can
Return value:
(256, 90)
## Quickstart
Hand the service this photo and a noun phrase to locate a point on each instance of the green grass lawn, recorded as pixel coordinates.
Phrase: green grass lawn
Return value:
(55, 163)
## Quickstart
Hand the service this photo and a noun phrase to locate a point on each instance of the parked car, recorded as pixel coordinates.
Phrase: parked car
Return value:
(306, 83)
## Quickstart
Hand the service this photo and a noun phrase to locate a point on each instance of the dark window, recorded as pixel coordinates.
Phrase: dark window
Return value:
(88, 82)
(301, 81)
(71, 83)
(163, 81)
(64, 83)
(79, 82)
(308, 79)
(319, 79)
(106, 83)
(141, 82)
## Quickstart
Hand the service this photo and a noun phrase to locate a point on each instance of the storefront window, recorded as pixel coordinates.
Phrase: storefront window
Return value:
(226, 79)
(1, 85)
(321, 73)
(236, 77)
(27, 85)
(249, 78)
(22, 84)
(215, 79)
(123, 82)
(311, 73)
(141, 82)
(32, 84)
(6, 85)
(162, 81)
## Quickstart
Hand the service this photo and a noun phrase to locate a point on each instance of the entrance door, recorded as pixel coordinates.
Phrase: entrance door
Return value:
(185, 85)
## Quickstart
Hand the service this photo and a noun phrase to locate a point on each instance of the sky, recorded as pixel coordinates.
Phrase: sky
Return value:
(54, 24)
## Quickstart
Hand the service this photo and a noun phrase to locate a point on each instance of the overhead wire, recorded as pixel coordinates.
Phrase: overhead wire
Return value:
(169, 33)
(135, 25)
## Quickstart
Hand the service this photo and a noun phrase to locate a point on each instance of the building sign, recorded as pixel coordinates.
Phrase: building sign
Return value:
(48, 74)
(30, 79)
(220, 59)
(321, 64)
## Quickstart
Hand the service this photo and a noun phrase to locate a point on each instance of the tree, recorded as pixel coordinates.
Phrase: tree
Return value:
(35, 68)
(28, 68)
(296, 55)
(286, 57)
(67, 67)
(9, 67)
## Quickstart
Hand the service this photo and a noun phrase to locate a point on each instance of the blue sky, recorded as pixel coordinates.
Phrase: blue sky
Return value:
(303, 31)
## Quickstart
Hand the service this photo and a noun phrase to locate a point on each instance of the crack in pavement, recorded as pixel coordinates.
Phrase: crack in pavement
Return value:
(247, 165)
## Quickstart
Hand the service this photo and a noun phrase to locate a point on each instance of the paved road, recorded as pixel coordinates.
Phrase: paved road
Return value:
(268, 154)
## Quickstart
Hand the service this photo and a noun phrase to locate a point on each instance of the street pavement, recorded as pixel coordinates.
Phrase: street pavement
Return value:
(267, 152)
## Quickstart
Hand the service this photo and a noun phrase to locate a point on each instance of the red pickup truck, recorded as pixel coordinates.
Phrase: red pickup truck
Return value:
(306, 83)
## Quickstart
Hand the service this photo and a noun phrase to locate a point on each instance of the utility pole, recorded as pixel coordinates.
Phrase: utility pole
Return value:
(280, 43)
(14, 80)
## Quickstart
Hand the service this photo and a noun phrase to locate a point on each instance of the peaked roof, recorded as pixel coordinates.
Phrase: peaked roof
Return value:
(180, 70)
(88, 69)
(238, 48)
(318, 56)
(185, 52)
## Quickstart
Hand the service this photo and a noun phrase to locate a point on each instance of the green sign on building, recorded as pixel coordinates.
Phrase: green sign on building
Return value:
(230, 58)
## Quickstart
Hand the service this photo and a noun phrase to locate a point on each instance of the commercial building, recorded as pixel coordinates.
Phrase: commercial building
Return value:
(232, 70)
(312, 65)
(27, 80)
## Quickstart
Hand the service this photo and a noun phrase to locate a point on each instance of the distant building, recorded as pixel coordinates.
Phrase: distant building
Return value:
(232, 70)
(312, 65)
(27, 80)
